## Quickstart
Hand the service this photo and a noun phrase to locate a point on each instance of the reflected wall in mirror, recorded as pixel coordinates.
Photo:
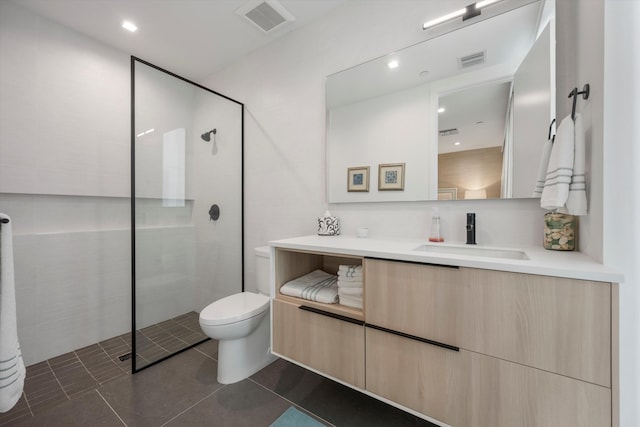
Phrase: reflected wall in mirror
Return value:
(376, 114)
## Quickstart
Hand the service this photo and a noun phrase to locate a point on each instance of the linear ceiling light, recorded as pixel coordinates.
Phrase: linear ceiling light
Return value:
(468, 12)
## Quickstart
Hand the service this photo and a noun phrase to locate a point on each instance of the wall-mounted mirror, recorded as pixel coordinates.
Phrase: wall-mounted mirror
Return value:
(466, 112)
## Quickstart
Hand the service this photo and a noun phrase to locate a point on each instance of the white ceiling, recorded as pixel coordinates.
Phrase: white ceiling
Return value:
(192, 38)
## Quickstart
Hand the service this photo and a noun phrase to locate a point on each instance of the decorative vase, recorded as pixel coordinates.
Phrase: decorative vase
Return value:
(559, 231)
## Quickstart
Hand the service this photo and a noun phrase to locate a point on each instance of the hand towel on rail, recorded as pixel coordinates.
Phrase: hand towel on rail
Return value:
(317, 286)
(560, 169)
(577, 200)
(12, 370)
(542, 168)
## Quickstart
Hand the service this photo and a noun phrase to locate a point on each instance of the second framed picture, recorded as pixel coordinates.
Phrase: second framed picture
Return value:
(391, 177)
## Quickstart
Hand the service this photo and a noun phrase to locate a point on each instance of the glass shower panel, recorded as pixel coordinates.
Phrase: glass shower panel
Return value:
(187, 148)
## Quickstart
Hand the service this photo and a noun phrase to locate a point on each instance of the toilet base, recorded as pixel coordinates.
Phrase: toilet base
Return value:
(240, 358)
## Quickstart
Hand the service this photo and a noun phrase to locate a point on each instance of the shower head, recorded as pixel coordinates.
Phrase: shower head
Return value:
(207, 135)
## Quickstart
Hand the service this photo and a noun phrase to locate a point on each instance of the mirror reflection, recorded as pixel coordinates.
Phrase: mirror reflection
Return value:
(493, 82)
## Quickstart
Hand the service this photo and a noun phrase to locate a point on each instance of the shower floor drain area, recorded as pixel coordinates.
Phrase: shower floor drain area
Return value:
(125, 356)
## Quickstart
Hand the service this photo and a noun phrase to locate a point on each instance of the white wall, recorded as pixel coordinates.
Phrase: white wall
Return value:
(622, 186)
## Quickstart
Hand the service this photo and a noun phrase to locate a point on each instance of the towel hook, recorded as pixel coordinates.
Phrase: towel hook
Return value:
(552, 138)
(574, 94)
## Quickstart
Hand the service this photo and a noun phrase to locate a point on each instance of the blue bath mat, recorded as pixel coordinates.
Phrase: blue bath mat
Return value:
(294, 418)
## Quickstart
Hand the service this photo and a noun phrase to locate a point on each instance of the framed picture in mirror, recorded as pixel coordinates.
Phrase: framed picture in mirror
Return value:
(358, 179)
(391, 177)
(447, 194)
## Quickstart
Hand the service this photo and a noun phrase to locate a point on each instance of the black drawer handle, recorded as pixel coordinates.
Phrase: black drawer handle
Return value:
(413, 337)
(332, 315)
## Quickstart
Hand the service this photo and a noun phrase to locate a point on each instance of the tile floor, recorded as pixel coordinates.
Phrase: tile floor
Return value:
(93, 387)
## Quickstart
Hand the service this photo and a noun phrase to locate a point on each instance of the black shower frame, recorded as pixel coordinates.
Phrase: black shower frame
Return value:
(135, 59)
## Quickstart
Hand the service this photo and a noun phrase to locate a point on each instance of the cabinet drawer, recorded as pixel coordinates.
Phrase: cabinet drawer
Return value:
(417, 299)
(332, 346)
(426, 378)
(555, 324)
(470, 389)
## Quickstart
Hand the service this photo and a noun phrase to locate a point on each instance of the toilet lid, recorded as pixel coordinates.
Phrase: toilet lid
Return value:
(234, 308)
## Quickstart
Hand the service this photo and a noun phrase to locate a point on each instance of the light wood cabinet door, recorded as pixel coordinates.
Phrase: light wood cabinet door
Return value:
(332, 346)
(556, 324)
(469, 389)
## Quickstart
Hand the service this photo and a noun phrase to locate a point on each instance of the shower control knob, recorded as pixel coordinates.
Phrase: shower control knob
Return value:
(214, 213)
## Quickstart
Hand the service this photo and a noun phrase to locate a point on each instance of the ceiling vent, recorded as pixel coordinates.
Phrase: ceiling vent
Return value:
(471, 60)
(267, 15)
(446, 132)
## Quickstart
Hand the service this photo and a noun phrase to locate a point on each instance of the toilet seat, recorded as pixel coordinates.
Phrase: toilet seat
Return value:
(234, 308)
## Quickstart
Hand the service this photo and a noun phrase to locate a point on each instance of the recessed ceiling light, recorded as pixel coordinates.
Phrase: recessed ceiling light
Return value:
(456, 143)
(127, 25)
(441, 110)
(393, 64)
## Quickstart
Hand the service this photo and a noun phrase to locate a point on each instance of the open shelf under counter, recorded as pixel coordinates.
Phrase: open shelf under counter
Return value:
(292, 263)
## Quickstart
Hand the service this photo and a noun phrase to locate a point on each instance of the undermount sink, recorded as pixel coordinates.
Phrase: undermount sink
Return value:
(473, 251)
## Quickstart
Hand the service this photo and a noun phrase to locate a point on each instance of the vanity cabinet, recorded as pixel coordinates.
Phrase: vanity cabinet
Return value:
(326, 337)
(462, 346)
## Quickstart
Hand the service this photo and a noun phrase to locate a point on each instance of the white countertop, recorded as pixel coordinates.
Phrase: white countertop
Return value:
(544, 262)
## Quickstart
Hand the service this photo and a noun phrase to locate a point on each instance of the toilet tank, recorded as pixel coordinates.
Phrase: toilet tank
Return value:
(263, 269)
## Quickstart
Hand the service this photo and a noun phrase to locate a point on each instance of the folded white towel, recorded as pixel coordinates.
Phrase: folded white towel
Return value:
(349, 291)
(351, 301)
(12, 371)
(349, 283)
(577, 200)
(542, 168)
(316, 286)
(560, 169)
(350, 271)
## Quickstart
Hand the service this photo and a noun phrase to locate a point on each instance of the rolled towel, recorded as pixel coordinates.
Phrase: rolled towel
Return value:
(350, 291)
(317, 286)
(350, 271)
(349, 283)
(351, 301)
(347, 280)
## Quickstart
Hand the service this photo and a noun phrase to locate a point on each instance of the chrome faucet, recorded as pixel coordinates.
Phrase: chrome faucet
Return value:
(471, 229)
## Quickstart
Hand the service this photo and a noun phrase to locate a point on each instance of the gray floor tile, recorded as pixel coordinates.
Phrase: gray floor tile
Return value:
(87, 410)
(338, 404)
(209, 348)
(20, 410)
(238, 405)
(159, 393)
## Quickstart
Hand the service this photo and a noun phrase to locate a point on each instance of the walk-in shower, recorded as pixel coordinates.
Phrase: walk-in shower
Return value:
(183, 258)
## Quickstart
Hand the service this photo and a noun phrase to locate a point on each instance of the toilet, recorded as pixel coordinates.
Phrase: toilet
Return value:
(241, 324)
